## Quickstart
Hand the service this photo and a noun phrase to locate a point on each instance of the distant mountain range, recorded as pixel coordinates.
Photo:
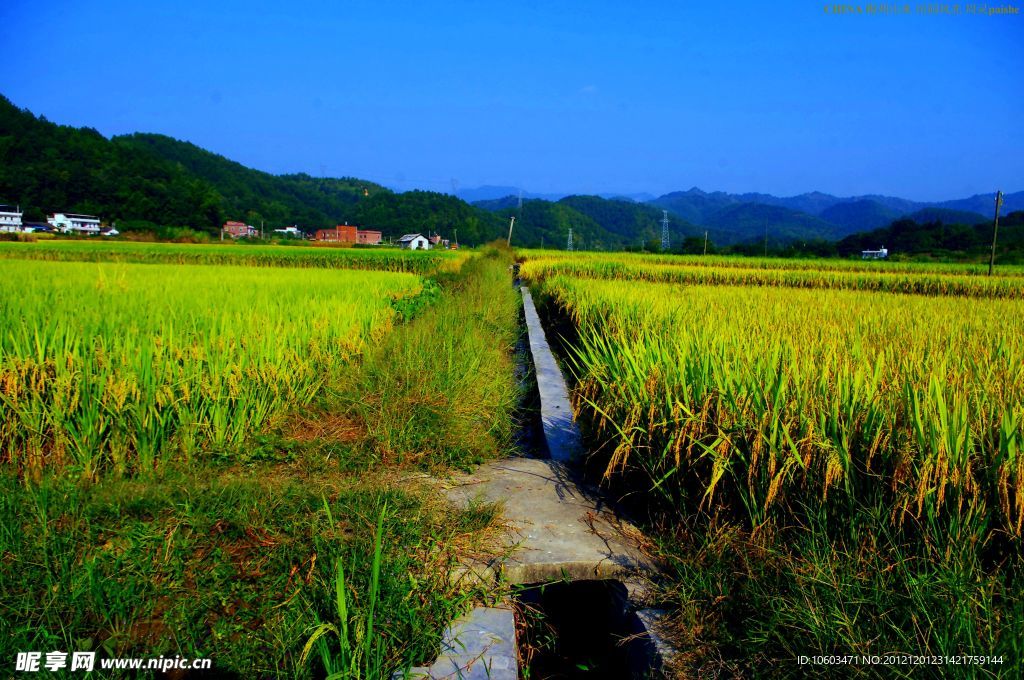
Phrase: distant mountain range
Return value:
(487, 192)
(738, 218)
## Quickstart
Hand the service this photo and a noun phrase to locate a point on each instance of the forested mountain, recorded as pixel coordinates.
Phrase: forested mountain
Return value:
(947, 216)
(545, 223)
(46, 167)
(819, 215)
(859, 215)
(696, 206)
(252, 195)
(638, 223)
(750, 221)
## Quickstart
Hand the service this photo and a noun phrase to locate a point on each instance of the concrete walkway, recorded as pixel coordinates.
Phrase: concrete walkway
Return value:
(557, 527)
(478, 646)
(560, 431)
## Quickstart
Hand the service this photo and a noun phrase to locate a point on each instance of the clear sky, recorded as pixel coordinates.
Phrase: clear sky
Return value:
(585, 97)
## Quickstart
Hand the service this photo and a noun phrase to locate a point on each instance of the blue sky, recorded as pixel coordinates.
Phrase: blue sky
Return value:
(582, 97)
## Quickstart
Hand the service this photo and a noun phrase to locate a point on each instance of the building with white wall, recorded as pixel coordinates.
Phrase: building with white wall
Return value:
(73, 223)
(414, 242)
(10, 218)
(879, 254)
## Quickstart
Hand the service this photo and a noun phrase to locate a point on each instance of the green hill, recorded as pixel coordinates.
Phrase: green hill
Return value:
(46, 168)
(250, 195)
(632, 223)
(747, 222)
(541, 222)
(859, 215)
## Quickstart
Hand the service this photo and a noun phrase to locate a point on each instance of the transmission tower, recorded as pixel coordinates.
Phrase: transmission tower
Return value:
(568, 244)
(665, 245)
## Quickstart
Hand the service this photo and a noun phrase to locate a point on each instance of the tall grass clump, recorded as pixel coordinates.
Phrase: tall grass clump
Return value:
(442, 390)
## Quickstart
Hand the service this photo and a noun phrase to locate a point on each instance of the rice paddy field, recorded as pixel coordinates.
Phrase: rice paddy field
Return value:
(116, 366)
(238, 254)
(830, 452)
(202, 449)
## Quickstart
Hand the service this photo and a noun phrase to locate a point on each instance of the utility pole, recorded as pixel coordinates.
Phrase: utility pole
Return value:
(510, 225)
(705, 242)
(456, 238)
(995, 232)
(665, 245)
(766, 238)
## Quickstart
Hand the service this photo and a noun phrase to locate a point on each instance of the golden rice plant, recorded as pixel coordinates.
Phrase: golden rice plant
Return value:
(727, 272)
(765, 401)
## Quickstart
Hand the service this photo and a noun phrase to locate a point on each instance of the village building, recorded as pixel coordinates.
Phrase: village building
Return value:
(879, 254)
(370, 237)
(349, 233)
(290, 232)
(414, 242)
(69, 223)
(343, 233)
(239, 229)
(10, 218)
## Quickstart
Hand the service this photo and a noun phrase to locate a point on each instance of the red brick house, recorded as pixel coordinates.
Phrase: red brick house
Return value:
(370, 237)
(343, 233)
(238, 229)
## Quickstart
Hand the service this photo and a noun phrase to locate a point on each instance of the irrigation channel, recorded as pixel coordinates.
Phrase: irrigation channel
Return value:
(574, 565)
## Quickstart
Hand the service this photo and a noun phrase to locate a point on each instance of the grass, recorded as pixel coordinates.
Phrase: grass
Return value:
(442, 391)
(829, 471)
(231, 563)
(240, 553)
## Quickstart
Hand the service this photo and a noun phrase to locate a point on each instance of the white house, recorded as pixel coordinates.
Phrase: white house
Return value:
(70, 222)
(414, 242)
(879, 254)
(291, 232)
(10, 218)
